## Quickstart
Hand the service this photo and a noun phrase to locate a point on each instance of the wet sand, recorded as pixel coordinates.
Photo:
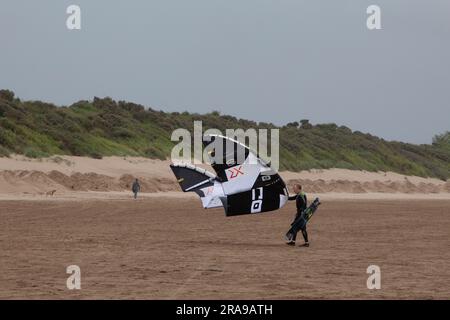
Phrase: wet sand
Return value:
(169, 247)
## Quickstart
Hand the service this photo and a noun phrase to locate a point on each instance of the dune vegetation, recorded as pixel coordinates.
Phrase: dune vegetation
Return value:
(104, 127)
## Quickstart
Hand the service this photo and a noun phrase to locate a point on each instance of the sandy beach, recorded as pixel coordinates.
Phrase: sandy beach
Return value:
(157, 248)
(165, 246)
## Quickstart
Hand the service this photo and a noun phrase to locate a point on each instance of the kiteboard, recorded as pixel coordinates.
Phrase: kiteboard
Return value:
(301, 221)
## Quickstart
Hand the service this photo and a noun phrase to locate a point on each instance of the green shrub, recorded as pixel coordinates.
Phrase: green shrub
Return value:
(4, 152)
(7, 95)
(34, 153)
(104, 127)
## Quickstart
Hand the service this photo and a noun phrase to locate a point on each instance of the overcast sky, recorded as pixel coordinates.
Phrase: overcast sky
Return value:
(276, 61)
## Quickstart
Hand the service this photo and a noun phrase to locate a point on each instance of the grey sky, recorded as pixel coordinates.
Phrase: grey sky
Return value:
(276, 61)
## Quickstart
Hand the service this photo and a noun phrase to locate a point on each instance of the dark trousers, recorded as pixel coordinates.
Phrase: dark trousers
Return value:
(304, 233)
(303, 229)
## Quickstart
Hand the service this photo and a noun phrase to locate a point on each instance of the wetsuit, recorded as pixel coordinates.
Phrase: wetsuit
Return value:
(301, 202)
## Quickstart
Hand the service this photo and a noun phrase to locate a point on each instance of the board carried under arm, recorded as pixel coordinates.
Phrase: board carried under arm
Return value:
(301, 221)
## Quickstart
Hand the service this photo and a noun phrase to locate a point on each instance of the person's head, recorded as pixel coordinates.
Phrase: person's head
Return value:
(136, 180)
(297, 188)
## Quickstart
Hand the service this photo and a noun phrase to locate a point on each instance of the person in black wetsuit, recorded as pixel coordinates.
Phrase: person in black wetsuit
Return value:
(301, 202)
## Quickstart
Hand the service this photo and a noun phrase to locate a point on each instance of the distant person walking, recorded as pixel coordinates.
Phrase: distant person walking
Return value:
(136, 188)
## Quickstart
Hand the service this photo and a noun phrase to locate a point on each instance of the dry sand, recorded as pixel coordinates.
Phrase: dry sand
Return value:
(163, 245)
(159, 248)
(20, 176)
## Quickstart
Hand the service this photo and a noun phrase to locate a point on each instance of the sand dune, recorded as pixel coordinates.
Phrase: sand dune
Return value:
(38, 182)
(21, 175)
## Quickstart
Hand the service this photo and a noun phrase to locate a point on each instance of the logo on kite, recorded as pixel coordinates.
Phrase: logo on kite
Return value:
(234, 172)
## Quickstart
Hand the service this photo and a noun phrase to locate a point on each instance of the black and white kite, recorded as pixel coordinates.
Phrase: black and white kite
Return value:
(243, 183)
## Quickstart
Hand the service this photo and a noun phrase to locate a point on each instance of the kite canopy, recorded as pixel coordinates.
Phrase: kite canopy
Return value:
(244, 183)
(200, 181)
